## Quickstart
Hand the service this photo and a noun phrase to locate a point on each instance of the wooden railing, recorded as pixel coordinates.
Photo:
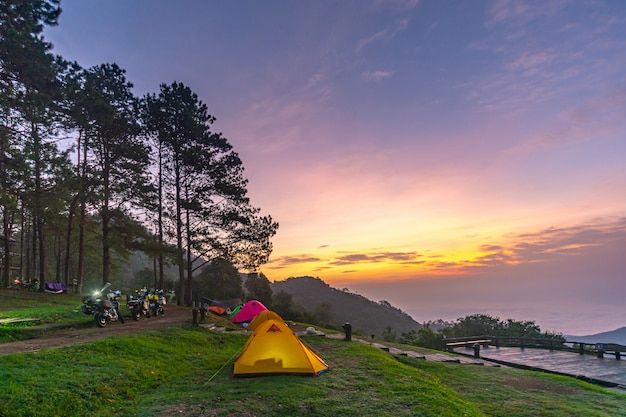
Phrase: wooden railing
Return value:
(598, 349)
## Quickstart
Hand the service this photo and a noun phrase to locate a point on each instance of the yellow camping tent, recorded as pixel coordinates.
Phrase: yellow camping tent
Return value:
(263, 316)
(273, 348)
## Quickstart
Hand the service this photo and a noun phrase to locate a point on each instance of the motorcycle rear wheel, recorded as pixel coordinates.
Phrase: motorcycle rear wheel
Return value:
(135, 315)
(100, 320)
(120, 316)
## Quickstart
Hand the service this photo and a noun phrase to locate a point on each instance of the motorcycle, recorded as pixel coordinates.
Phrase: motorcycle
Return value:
(138, 307)
(157, 301)
(90, 302)
(108, 310)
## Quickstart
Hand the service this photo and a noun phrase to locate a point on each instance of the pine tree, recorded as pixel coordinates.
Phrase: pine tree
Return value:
(28, 89)
(208, 210)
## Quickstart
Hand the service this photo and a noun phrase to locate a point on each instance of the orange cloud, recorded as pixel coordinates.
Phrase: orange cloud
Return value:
(513, 249)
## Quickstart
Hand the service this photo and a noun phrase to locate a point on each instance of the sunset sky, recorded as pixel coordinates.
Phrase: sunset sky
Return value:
(450, 157)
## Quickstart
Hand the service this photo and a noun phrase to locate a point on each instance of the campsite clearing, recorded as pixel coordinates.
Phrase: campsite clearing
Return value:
(186, 370)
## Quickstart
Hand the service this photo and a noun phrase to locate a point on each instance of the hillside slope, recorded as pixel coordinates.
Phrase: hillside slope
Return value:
(366, 317)
(614, 336)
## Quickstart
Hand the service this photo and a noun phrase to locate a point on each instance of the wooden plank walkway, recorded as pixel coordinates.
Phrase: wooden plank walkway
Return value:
(606, 371)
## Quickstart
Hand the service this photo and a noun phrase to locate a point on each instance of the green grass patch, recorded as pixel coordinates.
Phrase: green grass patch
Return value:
(48, 309)
(189, 371)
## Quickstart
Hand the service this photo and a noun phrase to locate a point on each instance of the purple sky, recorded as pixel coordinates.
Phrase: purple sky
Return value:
(450, 157)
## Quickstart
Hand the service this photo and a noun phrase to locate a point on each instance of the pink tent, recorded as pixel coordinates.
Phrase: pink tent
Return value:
(248, 312)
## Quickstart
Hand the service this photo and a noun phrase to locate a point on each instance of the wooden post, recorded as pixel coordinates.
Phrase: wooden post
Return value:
(194, 312)
(476, 350)
(347, 328)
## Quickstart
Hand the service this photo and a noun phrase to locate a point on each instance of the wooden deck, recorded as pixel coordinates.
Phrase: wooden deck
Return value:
(604, 371)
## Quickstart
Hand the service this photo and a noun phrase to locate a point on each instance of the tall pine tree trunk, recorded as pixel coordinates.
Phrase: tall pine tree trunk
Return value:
(106, 252)
(160, 221)
(58, 257)
(189, 263)
(68, 240)
(81, 222)
(81, 249)
(6, 260)
(179, 240)
(72, 214)
(38, 209)
(42, 252)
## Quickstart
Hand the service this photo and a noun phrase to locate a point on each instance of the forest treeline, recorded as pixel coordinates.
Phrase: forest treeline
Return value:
(90, 172)
(471, 326)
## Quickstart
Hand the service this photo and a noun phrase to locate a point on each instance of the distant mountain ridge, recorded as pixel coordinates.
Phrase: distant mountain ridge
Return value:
(365, 316)
(614, 336)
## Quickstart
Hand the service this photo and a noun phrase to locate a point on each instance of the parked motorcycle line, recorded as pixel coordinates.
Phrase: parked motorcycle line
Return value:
(157, 302)
(105, 309)
(138, 307)
(91, 301)
(108, 310)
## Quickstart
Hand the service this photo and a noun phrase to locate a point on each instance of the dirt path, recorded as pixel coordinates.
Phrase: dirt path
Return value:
(174, 316)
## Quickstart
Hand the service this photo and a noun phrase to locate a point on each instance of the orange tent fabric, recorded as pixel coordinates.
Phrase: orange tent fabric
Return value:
(263, 316)
(217, 310)
(273, 348)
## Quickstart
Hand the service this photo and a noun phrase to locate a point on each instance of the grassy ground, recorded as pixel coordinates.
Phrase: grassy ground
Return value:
(187, 372)
(47, 308)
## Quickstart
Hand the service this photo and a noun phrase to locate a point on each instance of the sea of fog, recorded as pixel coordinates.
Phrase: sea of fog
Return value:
(578, 316)
(578, 322)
